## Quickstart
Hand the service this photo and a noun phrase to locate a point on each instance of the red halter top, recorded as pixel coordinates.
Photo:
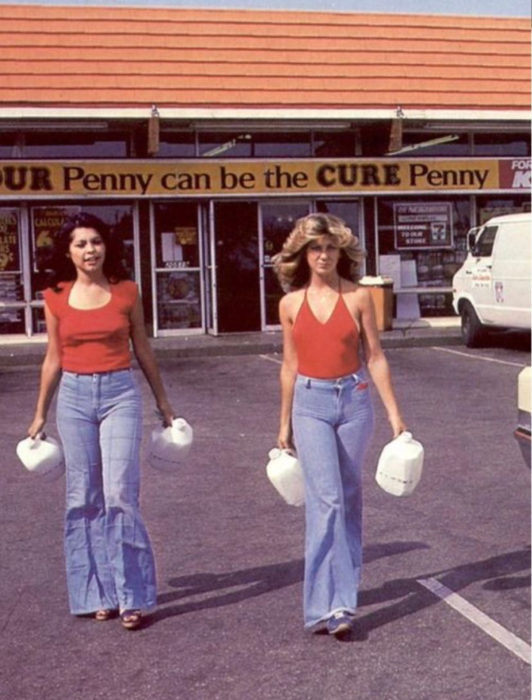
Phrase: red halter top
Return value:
(326, 350)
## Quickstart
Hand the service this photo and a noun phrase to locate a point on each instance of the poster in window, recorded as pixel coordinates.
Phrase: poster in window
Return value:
(179, 248)
(45, 221)
(423, 225)
(9, 246)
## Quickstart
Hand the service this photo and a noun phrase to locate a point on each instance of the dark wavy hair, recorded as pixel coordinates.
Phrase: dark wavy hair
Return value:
(58, 266)
(290, 265)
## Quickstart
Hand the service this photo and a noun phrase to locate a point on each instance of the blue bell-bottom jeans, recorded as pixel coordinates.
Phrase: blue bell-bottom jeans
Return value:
(332, 422)
(109, 559)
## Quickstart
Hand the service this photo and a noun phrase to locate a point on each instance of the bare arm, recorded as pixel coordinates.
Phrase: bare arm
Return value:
(377, 363)
(287, 377)
(50, 374)
(147, 362)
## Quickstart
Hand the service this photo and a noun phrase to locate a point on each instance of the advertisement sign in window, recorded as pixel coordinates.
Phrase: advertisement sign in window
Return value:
(9, 245)
(423, 225)
(47, 220)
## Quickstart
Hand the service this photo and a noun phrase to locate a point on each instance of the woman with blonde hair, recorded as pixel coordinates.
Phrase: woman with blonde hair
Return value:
(327, 319)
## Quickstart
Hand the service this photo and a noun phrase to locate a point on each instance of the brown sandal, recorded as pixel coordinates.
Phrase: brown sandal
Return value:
(103, 615)
(131, 619)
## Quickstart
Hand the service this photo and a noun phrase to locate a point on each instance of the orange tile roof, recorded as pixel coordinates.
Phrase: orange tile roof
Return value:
(188, 58)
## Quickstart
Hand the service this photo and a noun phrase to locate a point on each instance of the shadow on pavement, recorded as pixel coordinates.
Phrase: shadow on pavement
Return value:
(411, 597)
(508, 339)
(249, 582)
(414, 597)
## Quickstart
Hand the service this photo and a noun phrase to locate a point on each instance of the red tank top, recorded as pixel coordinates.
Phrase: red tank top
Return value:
(326, 350)
(94, 340)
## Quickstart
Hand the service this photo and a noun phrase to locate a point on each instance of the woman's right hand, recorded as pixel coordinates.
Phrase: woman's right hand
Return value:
(284, 439)
(36, 427)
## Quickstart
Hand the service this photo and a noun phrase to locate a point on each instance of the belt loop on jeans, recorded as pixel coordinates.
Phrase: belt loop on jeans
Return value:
(307, 383)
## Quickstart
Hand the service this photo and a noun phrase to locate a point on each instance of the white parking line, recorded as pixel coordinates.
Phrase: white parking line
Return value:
(509, 640)
(435, 347)
(271, 359)
(478, 357)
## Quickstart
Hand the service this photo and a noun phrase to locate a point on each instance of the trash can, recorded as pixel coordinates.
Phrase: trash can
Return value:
(381, 290)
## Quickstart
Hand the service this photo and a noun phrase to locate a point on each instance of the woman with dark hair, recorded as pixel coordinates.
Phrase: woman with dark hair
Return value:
(327, 319)
(59, 265)
(92, 312)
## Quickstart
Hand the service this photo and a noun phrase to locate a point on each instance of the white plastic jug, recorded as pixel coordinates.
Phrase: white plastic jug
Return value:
(400, 465)
(170, 445)
(43, 456)
(285, 473)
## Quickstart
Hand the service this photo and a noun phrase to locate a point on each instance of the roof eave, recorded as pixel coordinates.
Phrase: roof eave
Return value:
(178, 113)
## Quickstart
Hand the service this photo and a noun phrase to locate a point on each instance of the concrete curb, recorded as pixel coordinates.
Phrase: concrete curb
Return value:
(32, 353)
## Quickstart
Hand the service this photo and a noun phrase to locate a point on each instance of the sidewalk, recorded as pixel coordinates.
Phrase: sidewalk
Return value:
(434, 331)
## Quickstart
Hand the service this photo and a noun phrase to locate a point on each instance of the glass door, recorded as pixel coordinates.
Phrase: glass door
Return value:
(277, 221)
(176, 268)
(236, 257)
(349, 210)
(209, 267)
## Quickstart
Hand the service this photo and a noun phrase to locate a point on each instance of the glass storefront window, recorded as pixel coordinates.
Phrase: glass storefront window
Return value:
(348, 211)
(75, 145)
(44, 221)
(177, 145)
(415, 140)
(502, 145)
(11, 288)
(333, 144)
(177, 266)
(282, 145)
(225, 144)
(278, 219)
(422, 243)
(178, 300)
(7, 146)
(499, 205)
(245, 144)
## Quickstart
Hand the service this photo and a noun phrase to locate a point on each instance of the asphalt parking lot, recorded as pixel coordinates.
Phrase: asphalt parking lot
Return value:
(444, 605)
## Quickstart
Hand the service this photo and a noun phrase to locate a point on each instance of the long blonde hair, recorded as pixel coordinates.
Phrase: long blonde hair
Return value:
(290, 265)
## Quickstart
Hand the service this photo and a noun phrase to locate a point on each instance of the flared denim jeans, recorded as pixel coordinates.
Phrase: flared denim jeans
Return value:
(332, 423)
(109, 559)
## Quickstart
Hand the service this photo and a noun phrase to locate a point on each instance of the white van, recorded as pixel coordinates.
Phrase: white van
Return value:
(492, 288)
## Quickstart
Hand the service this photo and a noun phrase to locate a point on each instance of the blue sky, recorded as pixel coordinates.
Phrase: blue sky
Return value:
(501, 8)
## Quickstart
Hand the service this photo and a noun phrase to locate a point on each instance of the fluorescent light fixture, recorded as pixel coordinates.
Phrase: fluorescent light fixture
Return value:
(47, 125)
(268, 124)
(424, 144)
(474, 126)
(226, 146)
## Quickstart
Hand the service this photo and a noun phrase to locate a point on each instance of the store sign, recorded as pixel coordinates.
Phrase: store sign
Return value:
(423, 225)
(209, 177)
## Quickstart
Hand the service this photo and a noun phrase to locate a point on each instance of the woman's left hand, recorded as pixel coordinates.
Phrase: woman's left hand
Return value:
(397, 423)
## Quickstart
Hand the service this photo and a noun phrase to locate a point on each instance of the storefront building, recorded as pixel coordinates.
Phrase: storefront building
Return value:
(202, 153)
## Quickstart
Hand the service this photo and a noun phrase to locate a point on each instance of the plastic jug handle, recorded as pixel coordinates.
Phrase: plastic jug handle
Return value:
(289, 451)
(36, 441)
(274, 453)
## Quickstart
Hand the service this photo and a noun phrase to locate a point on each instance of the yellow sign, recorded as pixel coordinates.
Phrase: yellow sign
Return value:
(135, 178)
(186, 235)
